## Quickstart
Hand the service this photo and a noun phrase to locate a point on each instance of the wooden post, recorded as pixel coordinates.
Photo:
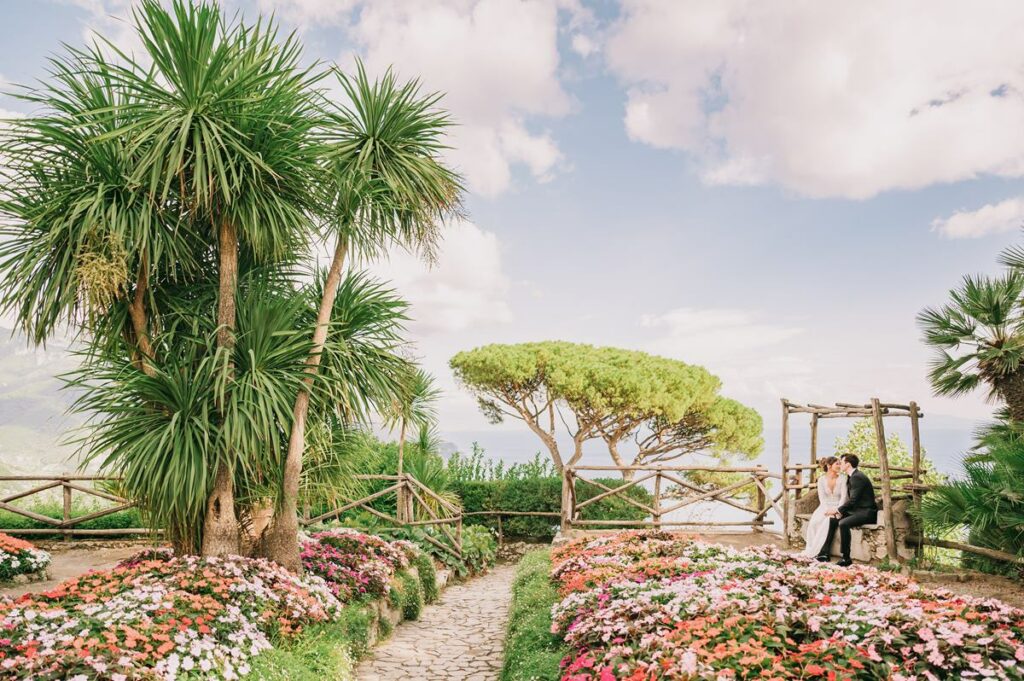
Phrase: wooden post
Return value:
(883, 465)
(785, 473)
(814, 448)
(566, 520)
(67, 506)
(657, 500)
(400, 494)
(501, 535)
(762, 501)
(915, 438)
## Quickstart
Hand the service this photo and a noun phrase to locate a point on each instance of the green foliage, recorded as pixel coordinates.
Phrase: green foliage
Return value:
(356, 624)
(667, 407)
(424, 565)
(988, 500)
(532, 652)
(978, 337)
(319, 652)
(479, 550)
(476, 467)
(485, 485)
(410, 595)
(861, 440)
(164, 454)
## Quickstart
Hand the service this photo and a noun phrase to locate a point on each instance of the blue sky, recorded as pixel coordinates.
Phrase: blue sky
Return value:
(773, 191)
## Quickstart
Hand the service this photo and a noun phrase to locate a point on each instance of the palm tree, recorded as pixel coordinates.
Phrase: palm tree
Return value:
(389, 187)
(989, 498)
(204, 157)
(979, 338)
(416, 407)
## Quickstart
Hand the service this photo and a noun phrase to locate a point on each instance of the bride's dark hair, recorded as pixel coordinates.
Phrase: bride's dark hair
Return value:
(826, 462)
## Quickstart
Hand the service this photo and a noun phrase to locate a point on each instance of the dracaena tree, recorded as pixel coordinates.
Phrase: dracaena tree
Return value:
(137, 195)
(388, 187)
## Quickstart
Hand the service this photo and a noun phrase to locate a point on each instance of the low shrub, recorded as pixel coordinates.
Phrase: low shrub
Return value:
(543, 495)
(656, 605)
(410, 596)
(532, 652)
(18, 557)
(424, 565)
(157, 618)
(479, 547)
(355, 565)
(479, 550)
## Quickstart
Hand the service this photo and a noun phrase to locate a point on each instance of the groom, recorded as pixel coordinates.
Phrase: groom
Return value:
(859, 509)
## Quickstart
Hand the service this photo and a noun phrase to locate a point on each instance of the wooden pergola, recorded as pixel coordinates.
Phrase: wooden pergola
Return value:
(877, 411)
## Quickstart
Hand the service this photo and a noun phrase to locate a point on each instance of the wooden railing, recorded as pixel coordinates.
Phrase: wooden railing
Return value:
(664, 500)
(411, 510)
(66, 525)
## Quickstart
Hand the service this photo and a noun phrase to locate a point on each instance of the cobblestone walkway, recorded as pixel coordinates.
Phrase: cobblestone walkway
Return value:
(459, 638)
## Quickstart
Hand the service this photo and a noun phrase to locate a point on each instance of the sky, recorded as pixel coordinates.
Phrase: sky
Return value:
(771, 190)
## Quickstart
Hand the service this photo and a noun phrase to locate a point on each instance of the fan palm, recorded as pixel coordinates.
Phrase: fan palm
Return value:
(989, 498)
(388, 188)
(979, 338)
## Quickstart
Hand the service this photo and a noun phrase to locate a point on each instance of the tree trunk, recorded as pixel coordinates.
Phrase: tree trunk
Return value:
(613, 450)
(220, 529)
(140, 325)
(548, 441)
(1011, 389)
(280, 543)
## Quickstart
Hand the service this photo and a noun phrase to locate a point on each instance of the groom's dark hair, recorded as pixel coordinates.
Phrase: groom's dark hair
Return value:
(852, 459)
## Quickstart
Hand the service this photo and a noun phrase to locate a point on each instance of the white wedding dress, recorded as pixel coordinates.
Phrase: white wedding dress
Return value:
(817, 526)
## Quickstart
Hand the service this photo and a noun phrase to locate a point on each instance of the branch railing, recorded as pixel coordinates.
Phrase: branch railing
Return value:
(66, 525)
(665, 501)
(877, 411)
(411, 510)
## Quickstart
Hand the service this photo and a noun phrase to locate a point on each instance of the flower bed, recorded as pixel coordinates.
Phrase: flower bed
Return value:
(355, 565)
(18, 557)
(159, 617)
(654, 605)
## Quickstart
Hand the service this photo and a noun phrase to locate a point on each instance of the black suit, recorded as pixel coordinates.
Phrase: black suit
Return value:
(858, 509)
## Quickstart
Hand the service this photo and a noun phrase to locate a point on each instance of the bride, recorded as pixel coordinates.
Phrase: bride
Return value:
(831, 495)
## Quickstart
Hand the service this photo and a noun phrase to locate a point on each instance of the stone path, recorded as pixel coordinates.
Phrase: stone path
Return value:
(459, 638)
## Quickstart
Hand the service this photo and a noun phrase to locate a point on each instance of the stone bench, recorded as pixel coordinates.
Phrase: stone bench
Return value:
(867, 541)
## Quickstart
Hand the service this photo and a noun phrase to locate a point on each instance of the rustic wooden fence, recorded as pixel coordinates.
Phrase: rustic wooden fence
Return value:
(665, 500)
(411, 510)
(66, 525)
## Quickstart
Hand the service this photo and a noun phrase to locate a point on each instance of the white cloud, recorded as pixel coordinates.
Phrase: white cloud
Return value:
(992, 218)
(497, 63)
(584, 45)
(827, 98)
(466, 287)
(751, 356)
(309, 13)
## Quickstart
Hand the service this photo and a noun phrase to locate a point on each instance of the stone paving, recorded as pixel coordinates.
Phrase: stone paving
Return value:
(459, 638)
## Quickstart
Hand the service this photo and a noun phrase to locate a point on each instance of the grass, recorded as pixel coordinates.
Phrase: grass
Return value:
(324, 651)
(532, 652)
(320, 652)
